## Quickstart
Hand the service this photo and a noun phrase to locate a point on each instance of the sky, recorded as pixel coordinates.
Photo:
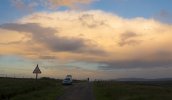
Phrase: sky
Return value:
(100, 39)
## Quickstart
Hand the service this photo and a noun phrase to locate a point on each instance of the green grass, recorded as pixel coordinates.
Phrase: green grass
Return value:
(133, 90)
(29, 89)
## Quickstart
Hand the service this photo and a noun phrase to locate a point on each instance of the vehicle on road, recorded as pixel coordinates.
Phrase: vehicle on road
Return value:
(67, 80)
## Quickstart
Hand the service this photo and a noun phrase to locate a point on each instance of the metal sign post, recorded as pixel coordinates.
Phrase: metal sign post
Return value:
(37, 71)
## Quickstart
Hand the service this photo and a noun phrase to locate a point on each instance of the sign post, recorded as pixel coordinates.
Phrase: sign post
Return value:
(37, 71)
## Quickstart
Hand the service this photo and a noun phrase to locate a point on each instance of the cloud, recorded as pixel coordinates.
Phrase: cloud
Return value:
(48, 37)
(128, 35)
(164, 16)
(128, 38)
(31, 4)
(88, 20)
(68, 3)
(22, 5)
(113, 65)
(85, 36)
(10, 43)
(47, 57)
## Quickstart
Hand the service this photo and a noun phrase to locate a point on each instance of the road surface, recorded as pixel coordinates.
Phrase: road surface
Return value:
(78, 91)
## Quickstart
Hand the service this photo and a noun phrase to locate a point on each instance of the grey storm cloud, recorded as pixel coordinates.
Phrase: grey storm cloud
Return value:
(161, 58)
(48, 37)
(163, 16)
(112, 65)
(129, 38)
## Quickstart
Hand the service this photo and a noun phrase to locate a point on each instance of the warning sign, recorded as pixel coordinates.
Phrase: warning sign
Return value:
(37, 70)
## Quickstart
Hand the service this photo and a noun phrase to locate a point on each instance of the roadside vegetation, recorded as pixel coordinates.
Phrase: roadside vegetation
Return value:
(106, 90)
(30, 89)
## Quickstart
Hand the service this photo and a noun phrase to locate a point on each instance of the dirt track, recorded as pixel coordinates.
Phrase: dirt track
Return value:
(78, 91)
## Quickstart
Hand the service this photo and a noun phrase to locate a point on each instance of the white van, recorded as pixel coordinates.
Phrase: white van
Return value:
(67, 80)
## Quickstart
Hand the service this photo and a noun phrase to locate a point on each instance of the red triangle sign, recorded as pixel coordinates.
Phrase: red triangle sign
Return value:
(37, 70)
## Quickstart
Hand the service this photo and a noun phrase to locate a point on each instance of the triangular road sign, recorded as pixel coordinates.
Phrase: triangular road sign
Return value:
(37, 70)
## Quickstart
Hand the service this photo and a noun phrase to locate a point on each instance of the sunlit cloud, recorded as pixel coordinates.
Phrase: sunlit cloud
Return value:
(51, 4)
(109, 40)
(68, 3)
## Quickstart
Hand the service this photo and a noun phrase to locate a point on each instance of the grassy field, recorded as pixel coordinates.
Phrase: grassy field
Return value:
(133, 90)
(29, 89)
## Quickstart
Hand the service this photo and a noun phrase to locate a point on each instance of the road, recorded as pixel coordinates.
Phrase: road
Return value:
(78, 91)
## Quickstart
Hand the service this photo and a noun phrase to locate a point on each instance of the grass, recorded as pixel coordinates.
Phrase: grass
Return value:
(29, 89)
(133, 90)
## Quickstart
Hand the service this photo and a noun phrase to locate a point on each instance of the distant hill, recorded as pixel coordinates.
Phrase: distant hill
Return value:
(144, 79)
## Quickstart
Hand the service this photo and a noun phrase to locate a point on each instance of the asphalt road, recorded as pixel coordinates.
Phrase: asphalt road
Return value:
(78, 91)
